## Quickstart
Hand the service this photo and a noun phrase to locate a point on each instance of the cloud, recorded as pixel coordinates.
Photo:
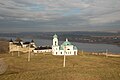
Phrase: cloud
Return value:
(35, 8)
(74, 14)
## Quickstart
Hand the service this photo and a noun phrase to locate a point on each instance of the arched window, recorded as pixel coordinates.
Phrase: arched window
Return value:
(68, 49)
(55, 42)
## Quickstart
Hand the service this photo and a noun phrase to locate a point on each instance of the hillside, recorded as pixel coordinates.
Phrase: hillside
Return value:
(48, 67)
(3, 46)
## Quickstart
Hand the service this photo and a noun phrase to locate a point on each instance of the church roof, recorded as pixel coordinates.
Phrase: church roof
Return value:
(66, 43)
(55, 36)
(74, 47)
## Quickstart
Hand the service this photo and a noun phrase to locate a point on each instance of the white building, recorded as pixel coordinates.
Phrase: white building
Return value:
(65, 49)
(42, 49)
(19, 45)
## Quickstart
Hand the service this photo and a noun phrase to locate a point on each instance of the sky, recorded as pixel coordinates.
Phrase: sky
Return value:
(59, 15)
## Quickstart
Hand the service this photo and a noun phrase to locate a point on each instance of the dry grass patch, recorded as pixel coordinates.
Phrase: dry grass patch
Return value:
(49, 67)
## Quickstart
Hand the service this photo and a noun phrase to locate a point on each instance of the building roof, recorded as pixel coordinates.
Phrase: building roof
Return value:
(55, 36)
(18, 44)
(11, 40)
(43, 48)
(31, 46)
(26, 43)
(74, 47)
(66, 43)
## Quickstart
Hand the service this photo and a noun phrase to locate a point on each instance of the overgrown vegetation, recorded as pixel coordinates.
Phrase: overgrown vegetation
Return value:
(3, 46)
(49, 67)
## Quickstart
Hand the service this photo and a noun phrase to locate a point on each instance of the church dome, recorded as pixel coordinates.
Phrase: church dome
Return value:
(55, 36)
(66, 43)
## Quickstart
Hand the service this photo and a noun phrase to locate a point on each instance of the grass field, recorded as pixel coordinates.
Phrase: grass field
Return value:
(49, 67)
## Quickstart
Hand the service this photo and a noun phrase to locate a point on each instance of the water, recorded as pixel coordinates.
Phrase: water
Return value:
(81, 46)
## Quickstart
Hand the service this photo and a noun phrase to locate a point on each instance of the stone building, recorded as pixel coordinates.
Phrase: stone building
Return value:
(19, 45)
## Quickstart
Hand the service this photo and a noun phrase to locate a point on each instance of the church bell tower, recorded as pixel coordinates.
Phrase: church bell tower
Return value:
(55, 46)
(55, 40)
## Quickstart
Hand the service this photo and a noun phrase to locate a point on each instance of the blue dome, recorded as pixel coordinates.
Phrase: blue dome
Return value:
(66, 43)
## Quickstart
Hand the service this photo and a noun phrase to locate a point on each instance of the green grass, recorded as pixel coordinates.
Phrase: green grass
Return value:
(49, 67)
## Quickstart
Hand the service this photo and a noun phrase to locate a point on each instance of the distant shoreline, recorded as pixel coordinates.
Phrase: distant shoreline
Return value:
(63, 40)
(5, 44)
(74, 36)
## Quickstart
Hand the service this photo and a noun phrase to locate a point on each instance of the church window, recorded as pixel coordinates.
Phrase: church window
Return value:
(55, 42)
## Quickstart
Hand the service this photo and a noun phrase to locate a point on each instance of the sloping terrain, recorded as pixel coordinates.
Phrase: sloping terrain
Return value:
(49, 67)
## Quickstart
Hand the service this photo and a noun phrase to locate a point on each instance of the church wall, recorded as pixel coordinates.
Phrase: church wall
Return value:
(55, 50)
(13, 47)
(70, 47)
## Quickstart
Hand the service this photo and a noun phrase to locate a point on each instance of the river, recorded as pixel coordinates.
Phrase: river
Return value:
(81, 46)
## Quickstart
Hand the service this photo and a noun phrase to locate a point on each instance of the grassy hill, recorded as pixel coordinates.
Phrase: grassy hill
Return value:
(3, 46)
(49, 67)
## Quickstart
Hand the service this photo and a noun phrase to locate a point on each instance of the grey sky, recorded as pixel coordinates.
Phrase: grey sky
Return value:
(59, 15)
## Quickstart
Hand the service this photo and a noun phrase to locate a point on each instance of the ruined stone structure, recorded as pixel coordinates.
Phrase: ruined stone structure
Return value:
(19, 45)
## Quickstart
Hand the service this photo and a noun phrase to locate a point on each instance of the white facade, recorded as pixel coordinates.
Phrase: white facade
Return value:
(65, 49)
(41, 51)
(20, 46)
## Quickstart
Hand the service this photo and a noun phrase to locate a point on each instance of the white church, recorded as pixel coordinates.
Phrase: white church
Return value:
(65, 49)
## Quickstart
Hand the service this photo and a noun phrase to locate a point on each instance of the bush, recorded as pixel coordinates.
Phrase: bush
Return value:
(3, 46)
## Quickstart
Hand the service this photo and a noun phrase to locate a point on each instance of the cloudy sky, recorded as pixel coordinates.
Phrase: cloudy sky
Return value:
(59, 15)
